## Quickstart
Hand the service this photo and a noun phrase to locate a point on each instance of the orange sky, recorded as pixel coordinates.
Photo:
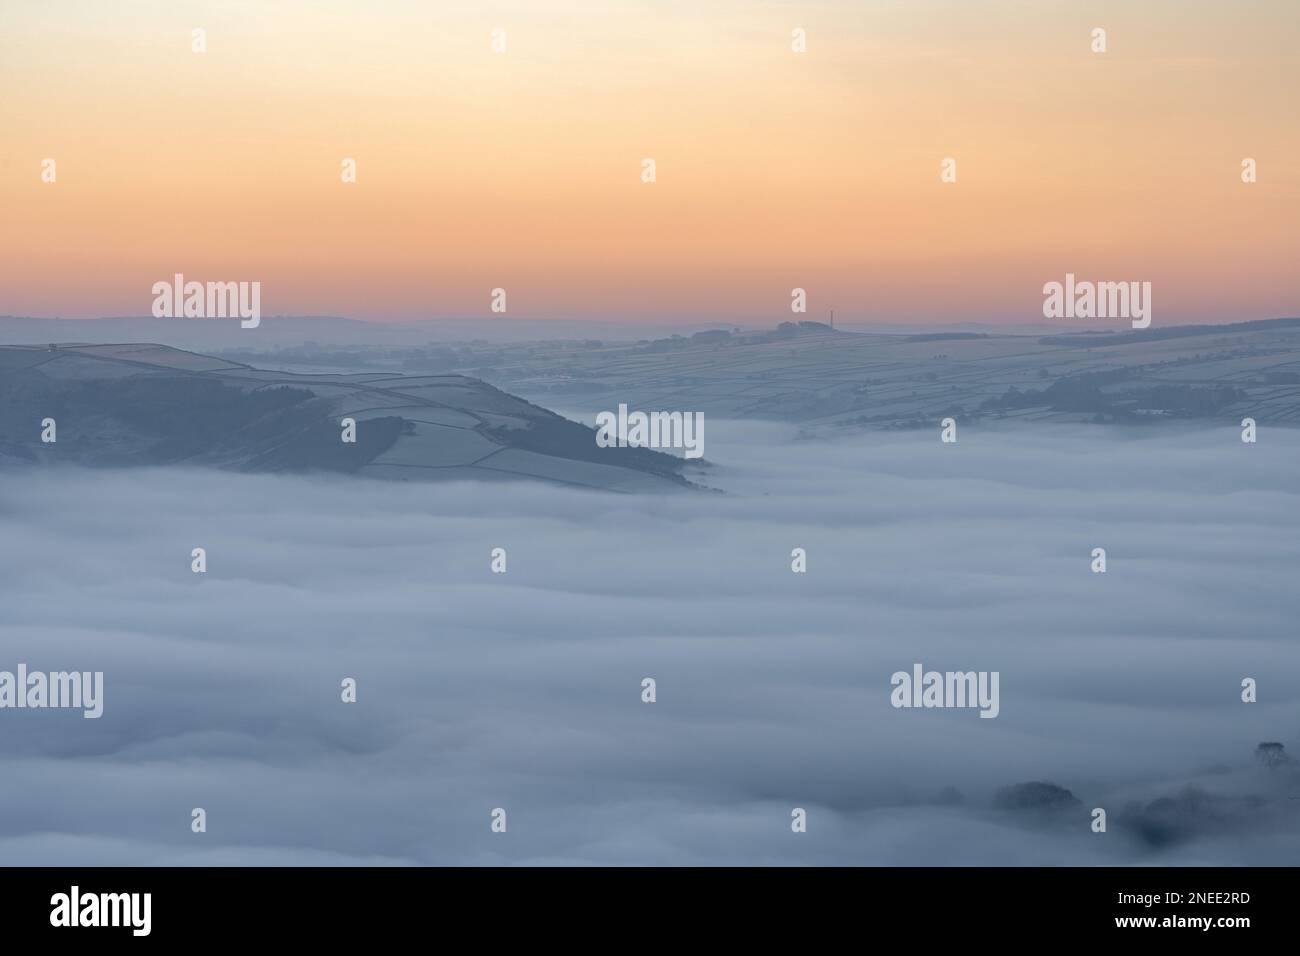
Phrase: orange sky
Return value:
(775, 169)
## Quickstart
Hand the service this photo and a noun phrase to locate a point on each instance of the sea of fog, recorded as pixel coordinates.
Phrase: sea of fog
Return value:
(523, 690)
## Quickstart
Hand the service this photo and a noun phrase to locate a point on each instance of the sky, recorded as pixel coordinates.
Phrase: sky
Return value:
(775, 170)
(522, 690)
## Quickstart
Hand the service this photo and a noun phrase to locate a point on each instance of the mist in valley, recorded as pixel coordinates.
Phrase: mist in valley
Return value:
(522, 690)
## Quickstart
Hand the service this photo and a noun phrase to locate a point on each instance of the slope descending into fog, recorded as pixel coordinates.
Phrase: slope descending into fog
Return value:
(125, 405)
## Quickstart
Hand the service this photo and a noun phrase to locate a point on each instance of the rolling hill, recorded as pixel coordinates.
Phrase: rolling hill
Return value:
(143, 404)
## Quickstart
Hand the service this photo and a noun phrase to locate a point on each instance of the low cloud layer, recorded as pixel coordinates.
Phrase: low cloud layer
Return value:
(478, 690)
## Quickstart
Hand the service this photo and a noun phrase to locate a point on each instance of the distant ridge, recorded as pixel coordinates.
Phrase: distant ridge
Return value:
(1172, 332)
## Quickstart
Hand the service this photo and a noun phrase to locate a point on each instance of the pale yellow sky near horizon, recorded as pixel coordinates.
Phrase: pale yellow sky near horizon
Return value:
(522, 169)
